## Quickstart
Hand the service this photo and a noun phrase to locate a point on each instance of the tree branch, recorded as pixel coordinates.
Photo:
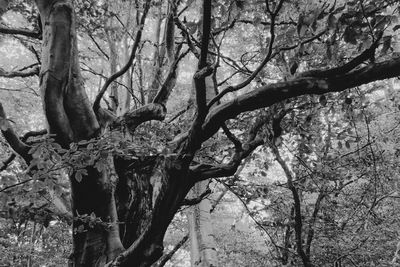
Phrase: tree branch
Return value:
(202, 172)
(138, 116)
(187, 36)
(34, 71)
(199, 78)
(98, 46)
(270, 94)
(7, 162)
(12, 138)
(24, 138)
(253, 74)
(24, 32)
(29, 134)
(197, 200)
(298, 221)
(193, 140)
(352, 64)
(96, 104)
(166, 257)
(169, 83)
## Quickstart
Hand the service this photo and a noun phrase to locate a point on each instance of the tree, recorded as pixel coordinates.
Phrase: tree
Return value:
(123, 199)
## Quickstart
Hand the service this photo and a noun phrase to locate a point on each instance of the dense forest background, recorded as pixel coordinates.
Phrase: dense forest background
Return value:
(302, 174)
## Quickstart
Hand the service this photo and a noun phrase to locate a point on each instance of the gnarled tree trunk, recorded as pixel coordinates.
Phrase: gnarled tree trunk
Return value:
(154, 186)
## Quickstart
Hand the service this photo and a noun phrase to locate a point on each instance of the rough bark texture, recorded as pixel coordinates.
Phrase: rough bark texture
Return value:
(156, 188)
(71, 118)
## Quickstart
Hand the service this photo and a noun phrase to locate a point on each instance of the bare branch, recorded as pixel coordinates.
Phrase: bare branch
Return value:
(165, 258)
(24, 32)
(297, 206)
(15, 185)
(199, 80)
(259, 68)
(12, 138)
(98, 46)
(187, 36)
(4, 164)
(231, 137)
(34, 71)
(169, 83)
(197, 200)
(96, 104)
(270, 94)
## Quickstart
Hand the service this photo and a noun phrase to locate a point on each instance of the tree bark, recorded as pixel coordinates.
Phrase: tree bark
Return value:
(202, 244)
(70, 118)
(158, 57)
(112, 40)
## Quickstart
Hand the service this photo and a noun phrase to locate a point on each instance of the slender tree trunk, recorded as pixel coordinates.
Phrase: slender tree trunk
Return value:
(125, 98)
(113, 43)
(158, 57)
(202, 244)
(203, 251)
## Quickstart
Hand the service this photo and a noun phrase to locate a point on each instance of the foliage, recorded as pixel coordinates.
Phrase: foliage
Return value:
(328, 164)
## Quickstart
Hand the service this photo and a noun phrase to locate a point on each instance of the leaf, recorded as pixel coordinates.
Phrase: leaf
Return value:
(387, 42)
(352, 3)
(301, 27)
(99, 166)
(3, 124)
(349, 35)
(3, 4)
(301, 50)
(328, 51)
(293, 67)
(331, 22)
(78, 177)
(340, 146)
(257, 21)
(395, 28)
(347, 144)
(79, 174)
(82, 142)
(322, 100)
(381, 22)
(80, 229)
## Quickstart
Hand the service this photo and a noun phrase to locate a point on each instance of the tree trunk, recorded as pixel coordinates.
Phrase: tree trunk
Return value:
(203, 251)
(154, 187)
(149, 194)
(202, 243)
(125, 101)
(158, 58)
(112, 40)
